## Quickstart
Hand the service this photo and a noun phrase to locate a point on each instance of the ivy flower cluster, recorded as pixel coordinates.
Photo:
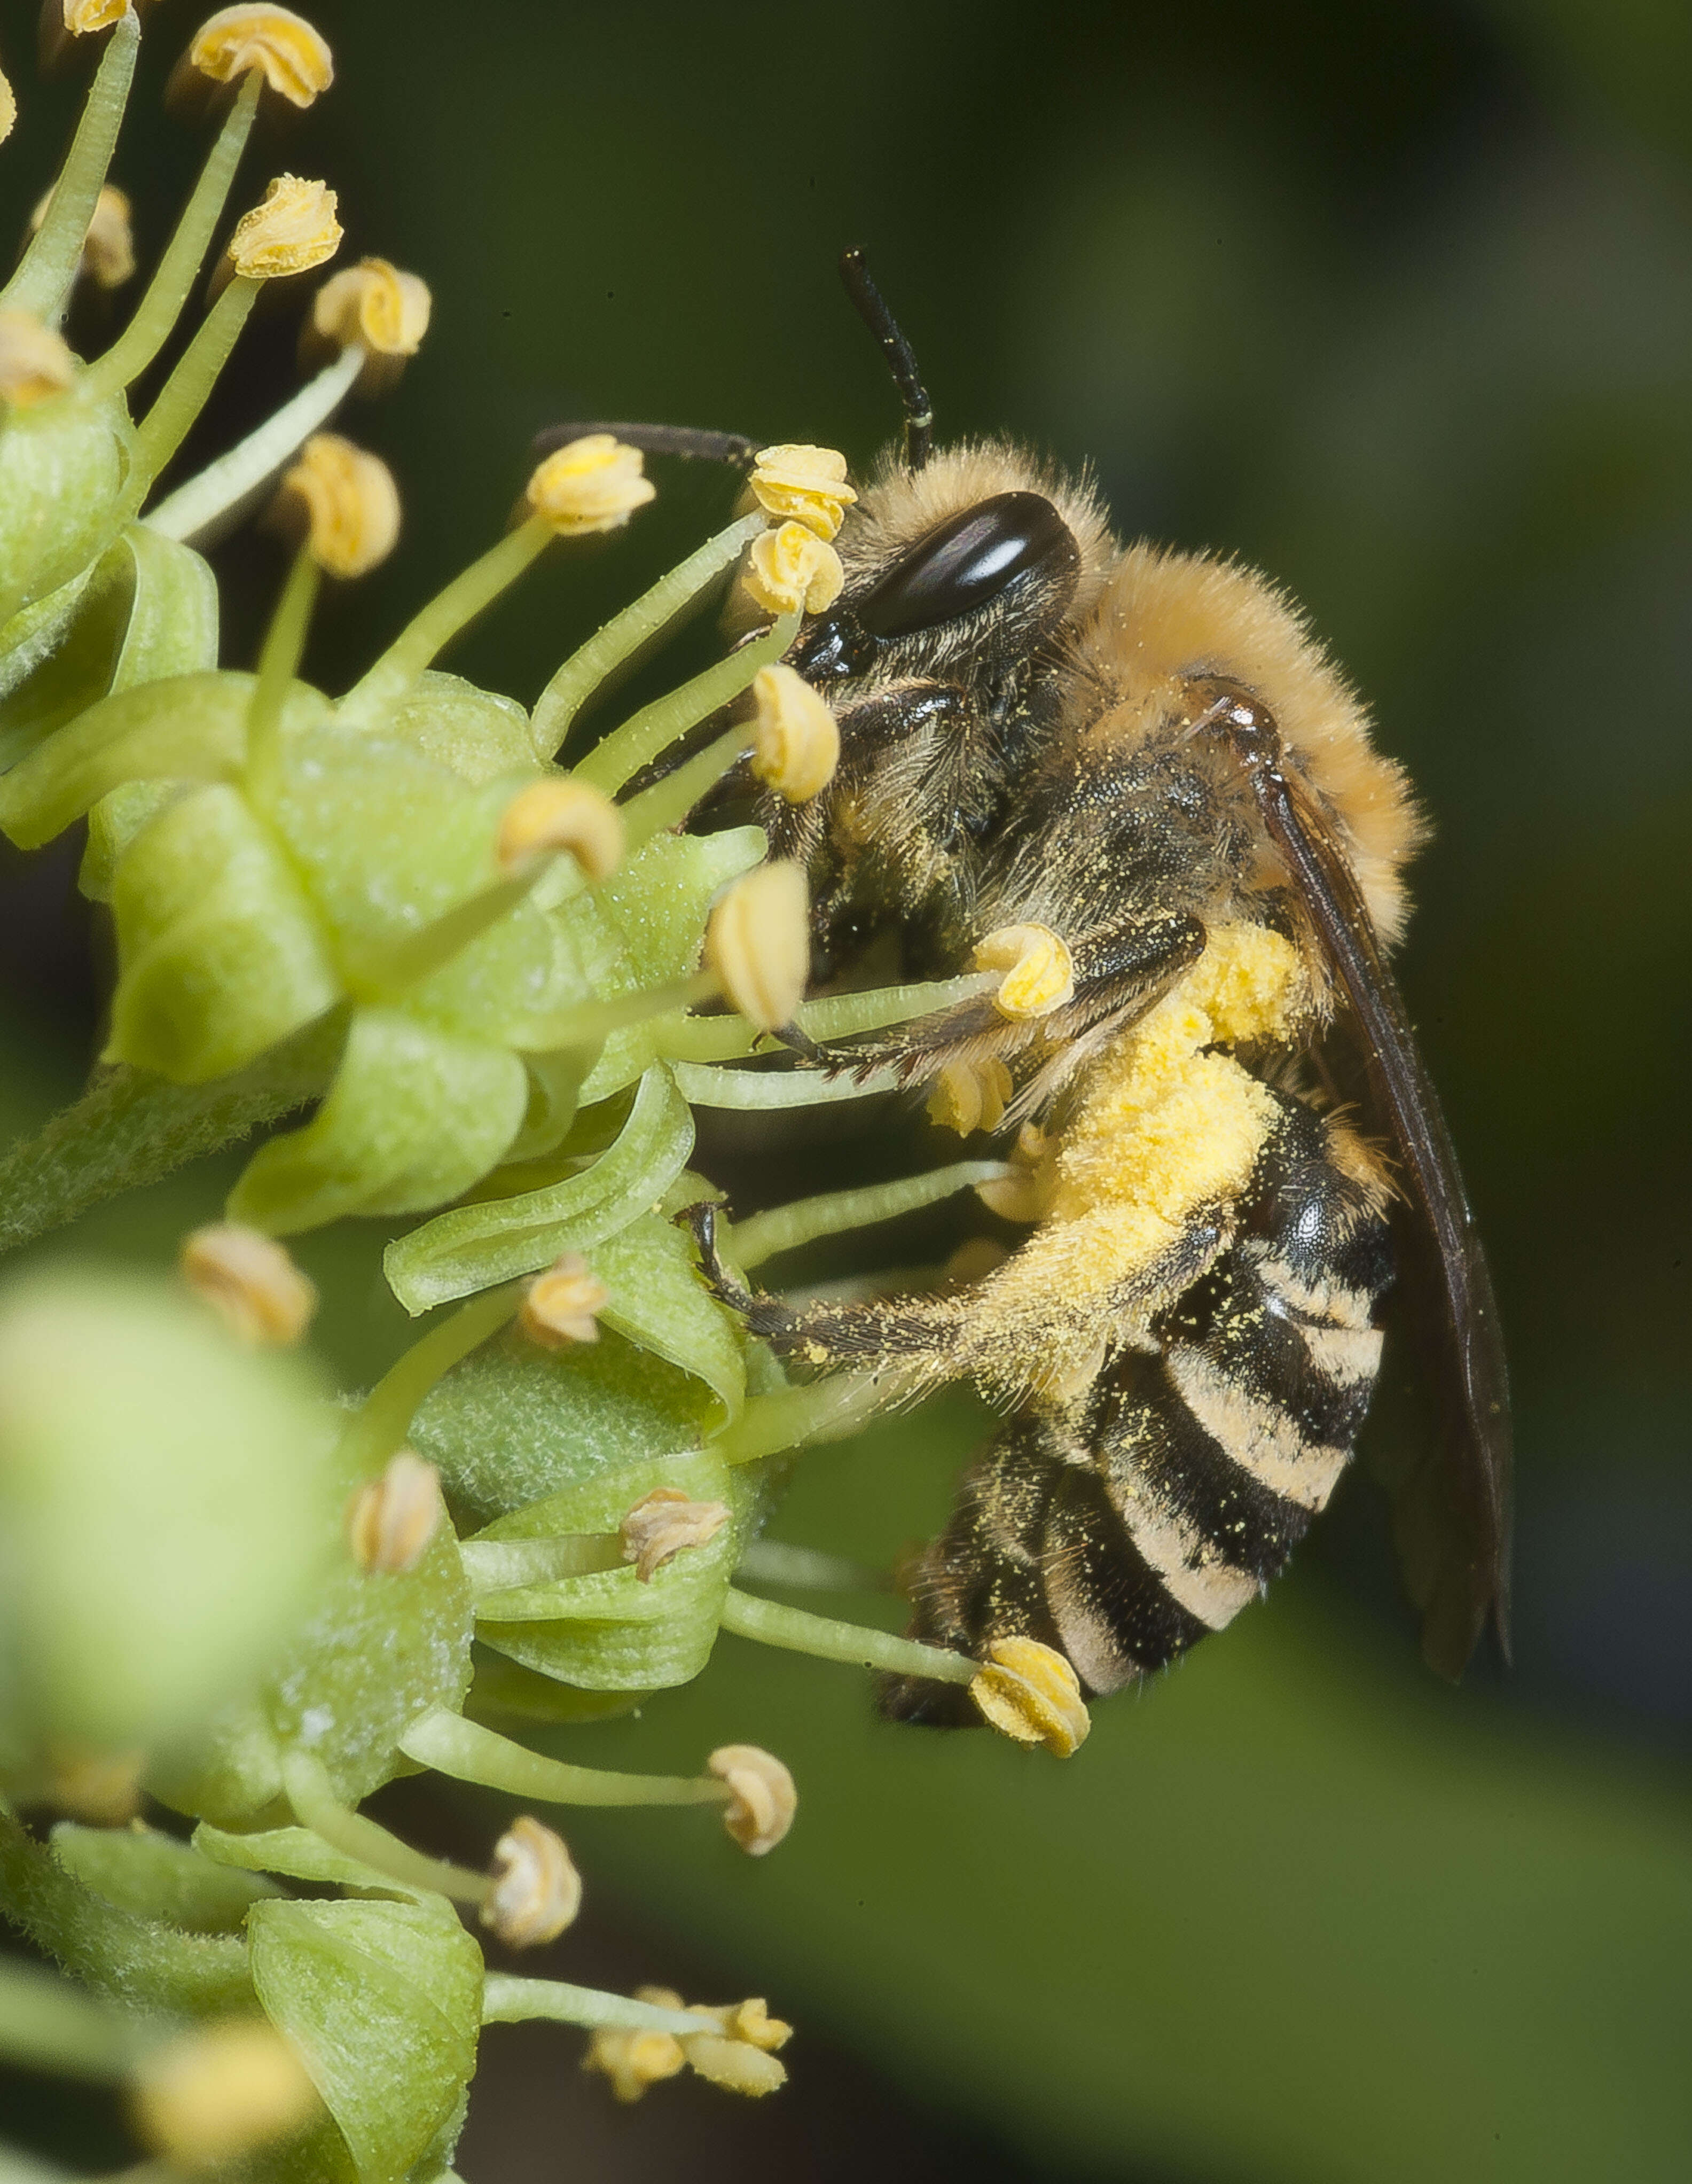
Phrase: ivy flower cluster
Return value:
(445, 974)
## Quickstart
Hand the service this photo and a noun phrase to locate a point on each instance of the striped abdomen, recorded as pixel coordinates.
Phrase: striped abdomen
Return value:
(1123, 1529)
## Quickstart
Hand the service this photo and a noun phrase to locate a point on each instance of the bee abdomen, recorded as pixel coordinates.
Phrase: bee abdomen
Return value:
(1122, 1533)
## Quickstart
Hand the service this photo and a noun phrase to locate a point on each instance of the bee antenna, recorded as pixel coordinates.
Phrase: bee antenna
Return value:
(687, 441)
(871, 305)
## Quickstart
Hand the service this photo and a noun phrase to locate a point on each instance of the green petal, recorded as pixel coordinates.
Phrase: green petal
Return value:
(658, 1299)
(63, 470)
(143, 1870)
(384, 2003)
(414, 1118)
(298, 1853)
(475, 1246)
(478, 734)
(219, 954)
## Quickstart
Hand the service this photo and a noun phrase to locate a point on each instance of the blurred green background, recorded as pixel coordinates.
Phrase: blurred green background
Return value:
(1397, 302)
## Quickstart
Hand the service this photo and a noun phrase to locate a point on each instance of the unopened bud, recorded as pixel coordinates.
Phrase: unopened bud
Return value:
(35, 362)
(292, 230)
(250, 1281)
(633, 2060)
(763, 1802)
(806, 484)
(791, 570)
(558, 816)
(390, 1520)
(345, 501)
(970, 1095)
(109, 248)
(563, 1305)
(796, 742)
(590, 484)
(536, 1891)
(758, 942)
(214, 2094)
(1029, 1691)
(296, 62)
(1039, 973)
(664, 1522)
(102, 1788)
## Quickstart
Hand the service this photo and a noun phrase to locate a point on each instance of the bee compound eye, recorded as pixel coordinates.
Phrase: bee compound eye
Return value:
(968, 562)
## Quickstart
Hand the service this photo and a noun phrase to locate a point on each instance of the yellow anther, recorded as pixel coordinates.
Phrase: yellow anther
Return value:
(536, 1891)
(109, 248)
(293, 231)
(563, 1305)
(103, 1788)
(796, 743)
(8, 108)
(634, 2060)
(970, 1095)
(975, 1259)
(662, 1523)
(1039, 973)
(216, 2093)
(590, 484)
(791, 570)
(296, 62)
(345, 501)
(805, 485)
(35, 362)
(758, 943)
(82, 18)
(736, 2065)
(375, 306)
(550, 817)
(762, 1808)
(390, 1520)
(1029, 1691)
(1026, 1193)
(250, 1282)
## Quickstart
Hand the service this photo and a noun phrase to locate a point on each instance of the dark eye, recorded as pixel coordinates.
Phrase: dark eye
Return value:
(968, 562)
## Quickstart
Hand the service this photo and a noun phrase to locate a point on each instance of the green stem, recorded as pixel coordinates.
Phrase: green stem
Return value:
(752, 1090)
(224, 483)
(168, 291)
(821, 1410)
(43, 283)
(799, 1631)
(582, 673)
(278, 663)
(668, 802)
(507, 1999)
(595, 1021)
(639, 740)
(504, 1565)
(118, 1954)
(785, 1227)
(731, 1039)
(382, 1420)
(317, 1807)
(184, 393)
(448, 612)
(47, 2024)
(469, 1753)
(776, 1561)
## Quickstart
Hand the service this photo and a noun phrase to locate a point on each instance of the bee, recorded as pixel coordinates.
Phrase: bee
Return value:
(1147, 754)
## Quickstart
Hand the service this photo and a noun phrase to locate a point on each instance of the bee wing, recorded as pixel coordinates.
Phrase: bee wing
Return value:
(1453, 1510)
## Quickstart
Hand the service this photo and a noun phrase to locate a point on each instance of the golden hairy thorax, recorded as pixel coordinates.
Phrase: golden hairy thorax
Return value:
(1167, 1123)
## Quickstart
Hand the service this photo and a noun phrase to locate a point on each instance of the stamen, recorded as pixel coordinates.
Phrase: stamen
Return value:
(470, 1753)
(764, 1800)
(633, 2060)
(663, 1524)
(9, 107)
(1039, 972)
(771, 1623)
(805, 484)
(508, 2000)
(383, 1419)
(536, 1890)
(250, 1281)
(970, 1095)
(561, 1306)
(390, 1520)
(109, 248)
(308, 1789)
(220, 2092)
(667, 802)
(294, 230)
(590, 484)
(637, 625)
(795, 740)
(561, 816)
(349, 503)
(375, 309)
(35, 362)
(791, 570)
(168, 291)
(44, 279)
(282, 46)
(1030, 1692)
(758, 942)
(828, 1409)
(185, 394)
(278, 663)
(785, 1227)
(615, 761)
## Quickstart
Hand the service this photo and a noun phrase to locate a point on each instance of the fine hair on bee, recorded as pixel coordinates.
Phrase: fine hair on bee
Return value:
(1146, 756)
